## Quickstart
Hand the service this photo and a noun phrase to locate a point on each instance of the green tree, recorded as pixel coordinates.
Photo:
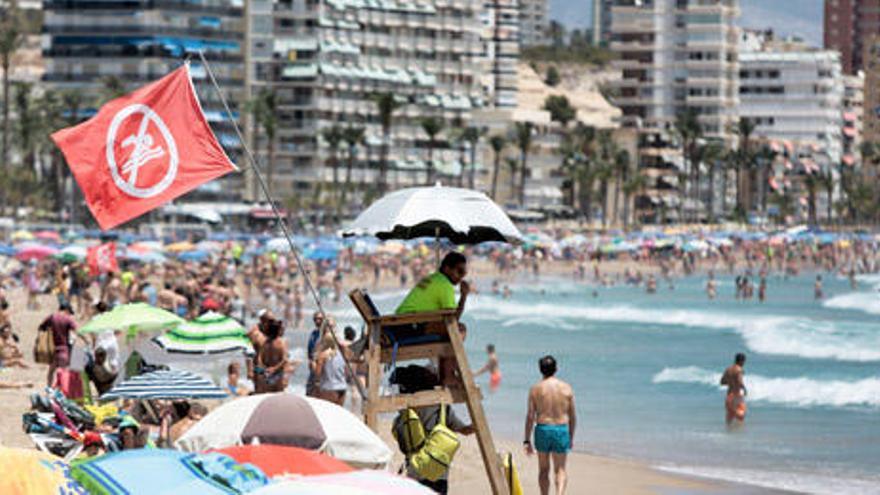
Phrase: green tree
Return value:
(386, 104)
(497, 143)
(634, 185)
(523, 131)
(552, 78)
(472, 136)
(11, 38)
(333, 136)
(512, 167)
(353, 136)
(72, 101)
(711, 154)
(432, 126)
(560, 109)
(689, 131)
(264, 108)
(744, 130)
(622, 163)
(112, 87)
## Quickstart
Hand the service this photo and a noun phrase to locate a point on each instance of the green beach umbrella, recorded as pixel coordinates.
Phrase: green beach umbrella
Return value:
(210, 333)
(133, 318)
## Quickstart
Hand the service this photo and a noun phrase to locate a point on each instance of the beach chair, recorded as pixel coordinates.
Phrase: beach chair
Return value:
(392, 339)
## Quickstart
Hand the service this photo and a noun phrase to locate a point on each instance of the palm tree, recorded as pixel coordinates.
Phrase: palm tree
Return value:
(579, 151)
(710, 153)
(811, 181)
(604, 168)
(112, 87)
(472, 136)
(11, 38)
(497, 143)
(621, 175)
(386, 104)
(264, 108)
(51, 105)
(333, 136)
(826, 179)
(632, 186)
(72, 101)
(523, 132)
(744, 130)
(689, 131)
(512, 166)
(353, 136)
(432, 127)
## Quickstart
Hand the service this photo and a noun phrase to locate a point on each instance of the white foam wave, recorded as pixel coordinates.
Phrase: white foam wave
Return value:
(801, 391)
(867, 302)
(801, 482)
(788, 336)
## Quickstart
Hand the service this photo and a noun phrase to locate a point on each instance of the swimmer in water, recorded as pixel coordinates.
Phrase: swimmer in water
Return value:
(492, 367)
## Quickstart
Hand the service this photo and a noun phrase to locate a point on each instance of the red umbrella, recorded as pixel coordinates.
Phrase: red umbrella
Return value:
(277, 460)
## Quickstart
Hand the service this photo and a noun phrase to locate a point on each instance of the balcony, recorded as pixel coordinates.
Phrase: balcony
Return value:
(632, 46)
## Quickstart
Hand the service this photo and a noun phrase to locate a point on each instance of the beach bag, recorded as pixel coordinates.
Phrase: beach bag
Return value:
(409, 431)
(44, 347)
(432, 461)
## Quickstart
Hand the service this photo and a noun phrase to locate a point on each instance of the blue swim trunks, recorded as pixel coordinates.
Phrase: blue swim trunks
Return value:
(552, 438)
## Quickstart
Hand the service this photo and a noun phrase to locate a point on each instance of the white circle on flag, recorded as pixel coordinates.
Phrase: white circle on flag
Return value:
(145, 149)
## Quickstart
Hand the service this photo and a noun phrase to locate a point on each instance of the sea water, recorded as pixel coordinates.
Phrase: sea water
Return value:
(645, 371)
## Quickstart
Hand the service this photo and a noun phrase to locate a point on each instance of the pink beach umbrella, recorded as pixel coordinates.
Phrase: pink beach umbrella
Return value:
(48, 235)
(28, 252)
(365, 482)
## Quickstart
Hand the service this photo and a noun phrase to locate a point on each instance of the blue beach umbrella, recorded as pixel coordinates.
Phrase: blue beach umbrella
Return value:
(197, 256)
(160, 472)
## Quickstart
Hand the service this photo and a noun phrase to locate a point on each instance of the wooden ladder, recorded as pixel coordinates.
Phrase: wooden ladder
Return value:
(446, 322)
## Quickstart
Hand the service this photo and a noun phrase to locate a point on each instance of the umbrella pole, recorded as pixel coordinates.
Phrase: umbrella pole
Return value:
(278, 218)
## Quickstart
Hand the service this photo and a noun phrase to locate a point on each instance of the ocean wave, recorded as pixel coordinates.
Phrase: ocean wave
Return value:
(868, 302)
(778, 335)
(801, 391)
(819, 484)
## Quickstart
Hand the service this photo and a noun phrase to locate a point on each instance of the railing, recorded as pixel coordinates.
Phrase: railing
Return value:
(129, 29)
(141, 5)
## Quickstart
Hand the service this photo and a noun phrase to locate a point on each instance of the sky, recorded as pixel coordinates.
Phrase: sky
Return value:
(787, 17)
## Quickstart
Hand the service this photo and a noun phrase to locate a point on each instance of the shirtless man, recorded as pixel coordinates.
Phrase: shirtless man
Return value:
(817, 288)
(492, 368)
(735, 403)
(711, 286)
(270, 370)
(551, 413)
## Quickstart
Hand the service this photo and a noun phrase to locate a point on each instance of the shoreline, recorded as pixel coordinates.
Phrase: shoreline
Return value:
(588, 472)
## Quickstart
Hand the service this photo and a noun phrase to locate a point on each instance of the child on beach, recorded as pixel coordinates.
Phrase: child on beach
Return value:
(492, 367)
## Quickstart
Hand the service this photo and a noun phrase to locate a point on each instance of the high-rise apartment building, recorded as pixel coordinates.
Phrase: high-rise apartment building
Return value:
(501, 49)
(871, 122)
(675, 56)
(794, 94)
(89, 43)
(602, 21)
(329, 58)
(533, 22)
(848, 26)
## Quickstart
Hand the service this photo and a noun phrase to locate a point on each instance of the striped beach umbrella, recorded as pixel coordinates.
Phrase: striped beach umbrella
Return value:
(291, 420)
(165, 384)
(210, 333)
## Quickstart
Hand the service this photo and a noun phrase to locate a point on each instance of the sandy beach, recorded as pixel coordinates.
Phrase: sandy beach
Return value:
(587, 473)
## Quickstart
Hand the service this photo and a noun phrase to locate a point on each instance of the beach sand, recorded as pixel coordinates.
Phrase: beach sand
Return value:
(587, 473)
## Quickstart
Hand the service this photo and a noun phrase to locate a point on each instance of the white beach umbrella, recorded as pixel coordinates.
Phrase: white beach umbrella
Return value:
(463, 216)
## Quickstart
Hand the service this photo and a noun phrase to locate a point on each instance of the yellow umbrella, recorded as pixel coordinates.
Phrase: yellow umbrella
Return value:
(35, 472)
(22, 235)
(179, 247)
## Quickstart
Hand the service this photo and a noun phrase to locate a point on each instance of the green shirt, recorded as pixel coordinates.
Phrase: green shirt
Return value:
(432, 293)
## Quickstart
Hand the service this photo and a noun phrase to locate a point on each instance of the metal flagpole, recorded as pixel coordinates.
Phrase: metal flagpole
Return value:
(281, 222)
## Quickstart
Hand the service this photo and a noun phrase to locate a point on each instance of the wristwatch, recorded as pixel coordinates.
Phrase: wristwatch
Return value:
(527, 442)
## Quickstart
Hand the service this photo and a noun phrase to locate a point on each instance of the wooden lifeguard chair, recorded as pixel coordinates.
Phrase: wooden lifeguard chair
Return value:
(445, 341)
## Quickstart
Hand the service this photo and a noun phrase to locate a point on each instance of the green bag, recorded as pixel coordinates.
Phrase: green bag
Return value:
(409, 431)
(432, 461)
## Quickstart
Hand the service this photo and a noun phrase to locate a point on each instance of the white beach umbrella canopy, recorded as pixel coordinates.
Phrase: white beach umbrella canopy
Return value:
(463, 216)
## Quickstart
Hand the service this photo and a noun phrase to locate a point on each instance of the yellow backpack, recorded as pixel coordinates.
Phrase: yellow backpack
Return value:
(409, 432)
(432, 461)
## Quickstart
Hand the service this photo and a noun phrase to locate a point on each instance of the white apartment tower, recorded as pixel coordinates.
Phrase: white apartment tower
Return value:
(500, 21)
(796, 96)
(533, 22)
(675, 56)
(327, 58)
